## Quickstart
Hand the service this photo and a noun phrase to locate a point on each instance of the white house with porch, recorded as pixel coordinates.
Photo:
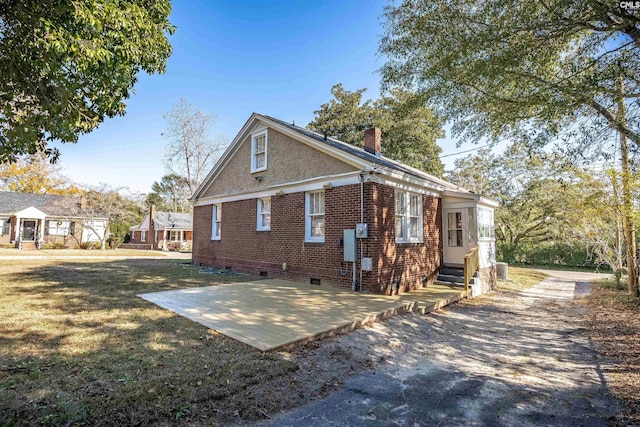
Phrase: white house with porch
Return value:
(30, 221)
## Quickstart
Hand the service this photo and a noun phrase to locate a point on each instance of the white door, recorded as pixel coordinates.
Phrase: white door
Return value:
(455, 236)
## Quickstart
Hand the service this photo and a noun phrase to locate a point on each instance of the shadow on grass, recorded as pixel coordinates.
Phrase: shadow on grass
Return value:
(77, 345)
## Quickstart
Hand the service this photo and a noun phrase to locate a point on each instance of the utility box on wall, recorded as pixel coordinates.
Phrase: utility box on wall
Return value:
(350, 247)
(367, 264)
(362, 230)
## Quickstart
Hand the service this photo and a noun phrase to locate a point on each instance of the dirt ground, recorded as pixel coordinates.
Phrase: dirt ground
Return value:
(614, 325)
(510, 358)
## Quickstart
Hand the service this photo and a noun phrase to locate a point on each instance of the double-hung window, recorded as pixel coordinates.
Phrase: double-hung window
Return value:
(408, 217)
(314, 223)
(216, 221)
(4, 226)
(143, 236)
(59, 228)
(259, 151)
(174, 235)
(485, 224)
(264, 214)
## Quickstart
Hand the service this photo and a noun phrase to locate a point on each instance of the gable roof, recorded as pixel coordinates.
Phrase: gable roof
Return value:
(346, 152)
(50, 204)
(173, 220)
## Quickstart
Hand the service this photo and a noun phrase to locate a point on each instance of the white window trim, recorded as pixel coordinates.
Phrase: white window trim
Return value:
(66, 231)
(260, 204)
(216, 221)
(307, 219)
(143, 236)
(491, 224)
(406, 218)
(253, 150)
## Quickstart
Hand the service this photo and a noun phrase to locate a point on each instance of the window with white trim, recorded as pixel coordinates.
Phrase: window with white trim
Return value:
(216, 221)
(5, 223)
(59, 228)
(259, 151)
(314, 211)
(174, 235)
(263, 222)
(133, 235)
(408, 217)
(486, 229)
(143, 236)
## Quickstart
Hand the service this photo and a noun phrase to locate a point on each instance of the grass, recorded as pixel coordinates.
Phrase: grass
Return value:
(77, 347)
(615, 327)
(520, 279)
(81, 252)
(559, 267)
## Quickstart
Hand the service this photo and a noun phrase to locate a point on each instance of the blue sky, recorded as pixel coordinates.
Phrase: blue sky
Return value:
(231, 58)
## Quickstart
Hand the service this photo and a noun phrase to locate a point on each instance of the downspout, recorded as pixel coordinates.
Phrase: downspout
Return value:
(361, 221)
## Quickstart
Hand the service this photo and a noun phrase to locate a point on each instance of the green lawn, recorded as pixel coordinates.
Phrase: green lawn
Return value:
(81, 252)
(521, 278)
(78, 347)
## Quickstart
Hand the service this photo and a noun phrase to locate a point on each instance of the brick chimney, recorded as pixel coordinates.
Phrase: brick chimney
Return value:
(373, 141)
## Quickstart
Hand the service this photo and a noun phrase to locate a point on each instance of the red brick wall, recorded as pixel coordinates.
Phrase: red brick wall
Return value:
(409, 265)
(244, 249)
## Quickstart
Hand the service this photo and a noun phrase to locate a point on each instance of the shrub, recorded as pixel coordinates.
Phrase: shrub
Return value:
(91, 245)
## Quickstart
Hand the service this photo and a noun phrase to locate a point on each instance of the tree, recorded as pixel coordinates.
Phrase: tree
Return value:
(409, 129)
(105, 202)
(35, 174)
(191, 152)
(66, 65)
(551, 210)
(173, 191)
(534, 70)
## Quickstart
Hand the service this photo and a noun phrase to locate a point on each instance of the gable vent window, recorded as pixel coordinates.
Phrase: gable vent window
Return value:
(264, 214)
(259, 151)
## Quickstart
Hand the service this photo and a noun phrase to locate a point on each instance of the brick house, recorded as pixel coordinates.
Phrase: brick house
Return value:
(31, 221)
(167, 230)
(280, 198)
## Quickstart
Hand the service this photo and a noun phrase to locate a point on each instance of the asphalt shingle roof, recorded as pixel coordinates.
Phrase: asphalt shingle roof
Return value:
(178, 220)
(52, 205)
(364, 155)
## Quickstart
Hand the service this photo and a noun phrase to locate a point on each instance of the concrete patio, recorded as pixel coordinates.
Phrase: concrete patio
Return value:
(276, 314)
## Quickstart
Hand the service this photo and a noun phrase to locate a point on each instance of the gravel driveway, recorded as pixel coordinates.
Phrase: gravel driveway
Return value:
(504, 359)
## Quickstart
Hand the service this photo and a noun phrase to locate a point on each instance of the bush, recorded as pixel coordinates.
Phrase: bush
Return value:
(547, 253)
(91, 245)
(56, 245)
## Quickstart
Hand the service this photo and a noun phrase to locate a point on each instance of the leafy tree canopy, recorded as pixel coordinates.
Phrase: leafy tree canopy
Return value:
(171, 193)
(35, 174)
(514, 68)
(66, 65)
(409, 129)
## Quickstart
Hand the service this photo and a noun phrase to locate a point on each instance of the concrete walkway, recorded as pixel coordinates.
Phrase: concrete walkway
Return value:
(273, 314)
(507, 359)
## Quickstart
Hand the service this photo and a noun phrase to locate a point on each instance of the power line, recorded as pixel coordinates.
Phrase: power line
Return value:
(465, 151)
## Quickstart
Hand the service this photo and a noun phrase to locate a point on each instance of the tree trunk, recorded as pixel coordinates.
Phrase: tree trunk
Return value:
(617, 263)
(627, 204)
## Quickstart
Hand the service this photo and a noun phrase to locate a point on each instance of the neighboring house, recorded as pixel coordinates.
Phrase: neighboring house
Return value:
(280, 198)
(167, 231)
(29, 221)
